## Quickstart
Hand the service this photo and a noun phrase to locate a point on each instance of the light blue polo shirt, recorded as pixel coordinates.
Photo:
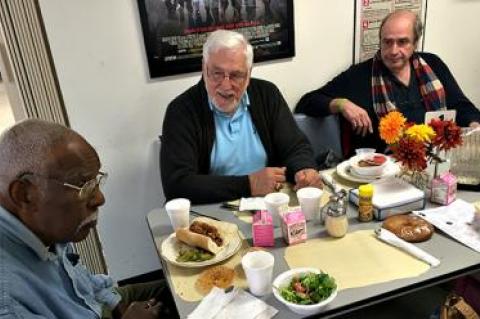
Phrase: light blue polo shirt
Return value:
(237, 149)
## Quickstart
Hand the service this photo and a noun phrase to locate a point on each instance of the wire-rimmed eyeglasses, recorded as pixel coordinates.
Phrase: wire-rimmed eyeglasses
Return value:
(85, 191)
(218, 76)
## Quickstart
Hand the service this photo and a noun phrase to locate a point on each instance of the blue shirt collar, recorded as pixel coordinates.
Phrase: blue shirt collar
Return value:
(21, 233)
(237, 149)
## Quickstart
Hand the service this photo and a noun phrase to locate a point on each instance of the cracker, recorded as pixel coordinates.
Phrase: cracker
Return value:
(219, 276)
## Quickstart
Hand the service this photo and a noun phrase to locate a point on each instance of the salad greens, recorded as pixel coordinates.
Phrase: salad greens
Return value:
(194, 254)
(308, 288)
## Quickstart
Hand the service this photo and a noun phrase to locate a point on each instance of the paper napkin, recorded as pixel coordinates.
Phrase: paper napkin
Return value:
(390, 238)
(252, 203)
(236, 304)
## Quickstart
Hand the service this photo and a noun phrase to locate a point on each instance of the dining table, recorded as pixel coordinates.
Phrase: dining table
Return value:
(456, 260)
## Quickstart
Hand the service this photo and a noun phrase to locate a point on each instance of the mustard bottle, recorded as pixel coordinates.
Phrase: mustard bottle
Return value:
(365, 205)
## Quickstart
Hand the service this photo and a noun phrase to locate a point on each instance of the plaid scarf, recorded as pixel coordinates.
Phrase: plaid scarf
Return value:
(431, 89)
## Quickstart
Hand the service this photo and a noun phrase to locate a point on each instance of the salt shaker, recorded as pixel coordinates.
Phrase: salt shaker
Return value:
(340, 195)
(336, 221)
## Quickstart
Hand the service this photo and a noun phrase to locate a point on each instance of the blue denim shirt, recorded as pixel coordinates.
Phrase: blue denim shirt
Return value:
(38, 283)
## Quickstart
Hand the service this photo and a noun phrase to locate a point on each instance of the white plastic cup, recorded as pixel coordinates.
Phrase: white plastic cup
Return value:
(178, 210)
(258, 268)
(360, 151)
(309, 199)
(276, 204)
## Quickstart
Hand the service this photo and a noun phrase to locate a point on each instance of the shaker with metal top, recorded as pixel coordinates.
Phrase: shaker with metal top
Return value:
(333, 203)
(336, 221)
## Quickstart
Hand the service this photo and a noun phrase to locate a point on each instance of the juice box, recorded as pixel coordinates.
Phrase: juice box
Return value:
(294, 227)
(262, 229)
(444, 189)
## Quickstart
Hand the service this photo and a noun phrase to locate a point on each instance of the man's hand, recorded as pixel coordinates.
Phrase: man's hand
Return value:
(142, 310)
(307, 177)
(356, 115)
(267, 180)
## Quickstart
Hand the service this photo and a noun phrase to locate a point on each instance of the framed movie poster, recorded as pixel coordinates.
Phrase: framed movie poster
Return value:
(175, 30)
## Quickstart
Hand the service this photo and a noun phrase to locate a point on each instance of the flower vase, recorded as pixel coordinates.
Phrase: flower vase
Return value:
(435, 170)
(419, 179)
(439, 163)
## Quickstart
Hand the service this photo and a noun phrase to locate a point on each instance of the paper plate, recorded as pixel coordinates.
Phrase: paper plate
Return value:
(171, 247)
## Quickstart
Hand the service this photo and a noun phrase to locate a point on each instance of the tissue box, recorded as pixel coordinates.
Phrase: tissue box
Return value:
(294, 227)
(262, 229)
(392, 196)
(444, 189)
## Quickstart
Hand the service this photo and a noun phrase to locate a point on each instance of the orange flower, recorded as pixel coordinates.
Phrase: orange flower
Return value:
(411, 153)
(391, 127)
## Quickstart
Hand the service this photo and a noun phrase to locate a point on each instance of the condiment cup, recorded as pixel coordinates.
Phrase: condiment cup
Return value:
(309, 199)
(178, 210)
(258, 268)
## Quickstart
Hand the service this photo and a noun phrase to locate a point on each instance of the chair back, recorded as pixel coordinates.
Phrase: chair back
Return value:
(322, 132)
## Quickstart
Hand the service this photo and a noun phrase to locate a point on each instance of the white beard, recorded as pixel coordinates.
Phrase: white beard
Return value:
(93, 217)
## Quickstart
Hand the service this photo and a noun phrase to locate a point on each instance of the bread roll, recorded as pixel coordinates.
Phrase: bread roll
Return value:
(408, 227)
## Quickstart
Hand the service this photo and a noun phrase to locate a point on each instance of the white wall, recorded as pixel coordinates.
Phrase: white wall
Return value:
(453, 32)
(98, 51)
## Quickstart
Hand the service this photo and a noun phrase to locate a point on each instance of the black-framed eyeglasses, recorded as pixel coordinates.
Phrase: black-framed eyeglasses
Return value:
(85, 191)
(218, 76)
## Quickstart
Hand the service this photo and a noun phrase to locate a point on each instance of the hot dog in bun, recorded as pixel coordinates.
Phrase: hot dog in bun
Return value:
(201, 234)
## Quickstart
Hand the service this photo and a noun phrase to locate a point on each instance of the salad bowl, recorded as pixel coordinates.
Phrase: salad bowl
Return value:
(282, 290)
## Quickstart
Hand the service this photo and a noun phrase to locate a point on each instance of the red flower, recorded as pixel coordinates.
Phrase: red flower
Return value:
(411, 153)
(448, 134)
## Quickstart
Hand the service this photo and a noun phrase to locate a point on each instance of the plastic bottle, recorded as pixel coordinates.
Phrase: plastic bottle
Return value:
(365, 206)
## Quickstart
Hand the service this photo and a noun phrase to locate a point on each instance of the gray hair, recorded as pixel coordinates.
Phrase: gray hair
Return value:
(225, 39)
(26, 147)
(417, 24)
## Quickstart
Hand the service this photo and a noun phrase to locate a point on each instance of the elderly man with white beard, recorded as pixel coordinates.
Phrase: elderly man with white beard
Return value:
(230, 135)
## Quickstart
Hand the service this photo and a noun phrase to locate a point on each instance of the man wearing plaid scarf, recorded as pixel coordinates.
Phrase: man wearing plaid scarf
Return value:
(398, 78)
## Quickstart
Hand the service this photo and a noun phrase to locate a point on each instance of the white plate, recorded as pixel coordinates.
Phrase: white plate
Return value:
(343, 170)
(171, 247)
(354, 174)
